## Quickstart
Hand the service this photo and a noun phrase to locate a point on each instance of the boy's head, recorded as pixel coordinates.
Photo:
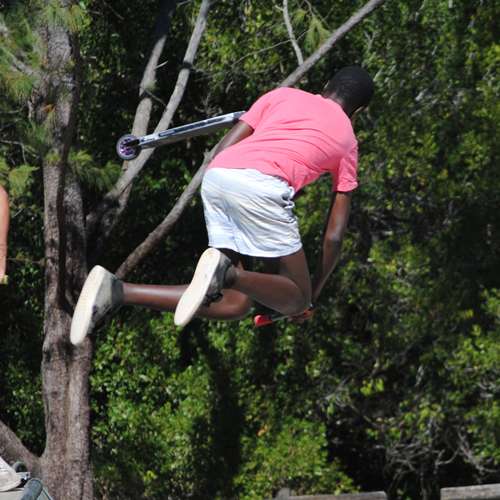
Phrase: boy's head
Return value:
(352, 87)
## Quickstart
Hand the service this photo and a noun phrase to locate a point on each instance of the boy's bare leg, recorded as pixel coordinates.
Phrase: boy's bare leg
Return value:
(286, 288)
(288, 292)
(103, 293)
(233, 305)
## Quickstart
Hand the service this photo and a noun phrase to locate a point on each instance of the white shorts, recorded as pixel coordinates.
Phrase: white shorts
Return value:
(250, 212)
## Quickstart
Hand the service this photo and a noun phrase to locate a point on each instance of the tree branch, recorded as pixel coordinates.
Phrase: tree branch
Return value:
(12, 449)
(291, 34)
(144, 108)
(356, 18)
(114, 197)
(174, 101)
(108, 219)
(143, 112)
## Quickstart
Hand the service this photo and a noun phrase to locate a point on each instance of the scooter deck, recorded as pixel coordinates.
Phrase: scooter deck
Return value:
(175, 134)
(129, 146)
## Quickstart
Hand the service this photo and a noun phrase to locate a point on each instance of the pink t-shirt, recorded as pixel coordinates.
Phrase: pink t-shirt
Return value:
(297, 136)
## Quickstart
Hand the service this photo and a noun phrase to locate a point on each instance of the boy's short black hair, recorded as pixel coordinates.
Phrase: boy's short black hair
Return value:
(353, 85)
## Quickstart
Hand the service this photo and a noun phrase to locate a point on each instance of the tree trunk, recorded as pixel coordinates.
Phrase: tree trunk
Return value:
(65, 463)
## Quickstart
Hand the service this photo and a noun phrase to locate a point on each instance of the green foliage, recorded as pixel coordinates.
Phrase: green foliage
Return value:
(73, 17)
(36, 138)
(95, 177)
(18, 179)
(317, 33)
(143, 421)
(474, 372)
(17, 84)
(199, 428)
(294, 456)
(20, 53)
(22, 145)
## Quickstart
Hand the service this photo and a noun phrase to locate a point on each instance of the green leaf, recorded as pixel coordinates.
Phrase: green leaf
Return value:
(20, 179)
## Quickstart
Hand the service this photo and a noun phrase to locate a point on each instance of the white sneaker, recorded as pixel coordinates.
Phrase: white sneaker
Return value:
(102, 293)
(205, 287)
(8, 476)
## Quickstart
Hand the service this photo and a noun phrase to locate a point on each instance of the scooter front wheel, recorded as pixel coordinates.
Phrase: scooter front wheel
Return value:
(126, 147)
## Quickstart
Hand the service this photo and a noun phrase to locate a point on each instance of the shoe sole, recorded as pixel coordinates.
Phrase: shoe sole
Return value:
(81, 322)
(10, 486)
(194, 294)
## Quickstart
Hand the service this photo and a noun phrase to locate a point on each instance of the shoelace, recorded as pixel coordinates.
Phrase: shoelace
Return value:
(212, 297)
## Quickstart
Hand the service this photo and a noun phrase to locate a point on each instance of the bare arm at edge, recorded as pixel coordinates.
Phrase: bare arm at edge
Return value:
(238, 132)
(4, 230)
(335, 227)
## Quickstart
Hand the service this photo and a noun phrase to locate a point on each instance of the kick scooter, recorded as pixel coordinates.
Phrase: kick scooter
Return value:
(129, 146)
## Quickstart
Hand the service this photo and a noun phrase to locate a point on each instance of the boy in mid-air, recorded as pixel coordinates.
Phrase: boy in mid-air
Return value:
(285, 141)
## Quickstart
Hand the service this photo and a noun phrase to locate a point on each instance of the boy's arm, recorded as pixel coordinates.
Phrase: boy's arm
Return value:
(240, 131)
(335, 227)
(4, 231)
